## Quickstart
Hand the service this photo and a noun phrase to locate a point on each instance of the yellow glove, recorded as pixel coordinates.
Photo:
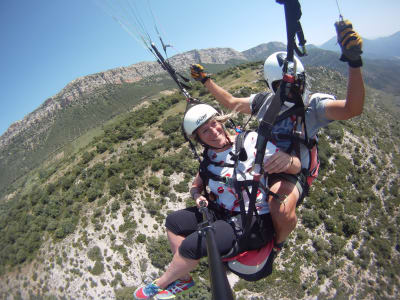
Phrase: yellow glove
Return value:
(350, 42)
(198, 73)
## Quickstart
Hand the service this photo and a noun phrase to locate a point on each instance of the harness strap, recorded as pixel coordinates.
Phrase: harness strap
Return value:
(298, 109)
(264, 135)
(293, 27)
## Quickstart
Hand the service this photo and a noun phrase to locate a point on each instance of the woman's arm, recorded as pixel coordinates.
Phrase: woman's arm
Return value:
(226, 99)
(196, 189)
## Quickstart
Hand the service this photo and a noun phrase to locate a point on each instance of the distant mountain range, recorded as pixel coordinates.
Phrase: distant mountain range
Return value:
(380, 48)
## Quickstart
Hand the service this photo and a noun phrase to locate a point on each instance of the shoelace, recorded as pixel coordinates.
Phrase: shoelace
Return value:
(151, 289)
(177, 287)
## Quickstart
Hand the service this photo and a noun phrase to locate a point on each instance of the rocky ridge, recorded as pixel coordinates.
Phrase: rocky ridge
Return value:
(75, 89)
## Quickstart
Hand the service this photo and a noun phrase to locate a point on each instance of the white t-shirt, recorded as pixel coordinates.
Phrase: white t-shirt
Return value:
(226, 196)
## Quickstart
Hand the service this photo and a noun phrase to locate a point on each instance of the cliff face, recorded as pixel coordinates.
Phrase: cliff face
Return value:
(73, 92)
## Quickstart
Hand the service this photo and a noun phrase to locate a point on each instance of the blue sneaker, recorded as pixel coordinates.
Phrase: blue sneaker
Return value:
(179, 286)
(151, 290)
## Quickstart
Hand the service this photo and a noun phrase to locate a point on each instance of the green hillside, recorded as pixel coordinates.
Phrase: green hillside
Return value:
(29, 149)
(89, 224)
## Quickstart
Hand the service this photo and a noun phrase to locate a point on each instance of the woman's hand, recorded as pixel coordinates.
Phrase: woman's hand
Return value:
(201, 200)
(279, 162)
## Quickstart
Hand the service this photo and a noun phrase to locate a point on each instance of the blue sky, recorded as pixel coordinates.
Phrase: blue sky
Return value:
(45, 44)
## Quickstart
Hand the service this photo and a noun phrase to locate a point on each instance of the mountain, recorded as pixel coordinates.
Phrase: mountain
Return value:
(86, 103)
(90, 224)
(262, 51)
(380, 48)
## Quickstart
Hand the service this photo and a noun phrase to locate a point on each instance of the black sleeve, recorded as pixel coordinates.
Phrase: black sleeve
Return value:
(258, 101)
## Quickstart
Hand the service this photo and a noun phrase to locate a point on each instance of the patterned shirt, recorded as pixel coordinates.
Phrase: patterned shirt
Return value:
(226, 196)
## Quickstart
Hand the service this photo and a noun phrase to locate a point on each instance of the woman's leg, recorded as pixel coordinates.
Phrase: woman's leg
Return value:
(178, 268)
(175, 241)
(180, 224)
(191, 249)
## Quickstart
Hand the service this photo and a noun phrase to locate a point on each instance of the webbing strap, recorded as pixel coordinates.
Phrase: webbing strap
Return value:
(297, 109)
(264, 135)
(293, 27)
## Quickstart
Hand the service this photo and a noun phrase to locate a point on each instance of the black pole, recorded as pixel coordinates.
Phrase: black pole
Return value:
(289, 32)
(220, 288)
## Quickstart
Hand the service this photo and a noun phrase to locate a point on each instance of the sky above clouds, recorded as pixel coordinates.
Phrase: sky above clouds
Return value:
(45, 44)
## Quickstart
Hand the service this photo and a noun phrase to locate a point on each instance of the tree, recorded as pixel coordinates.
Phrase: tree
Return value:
(117, 185)
(154, 182)
(350, 226)
(310, 219)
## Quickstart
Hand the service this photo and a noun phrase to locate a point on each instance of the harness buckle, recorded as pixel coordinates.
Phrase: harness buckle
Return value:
(280, 198)
(229, 182)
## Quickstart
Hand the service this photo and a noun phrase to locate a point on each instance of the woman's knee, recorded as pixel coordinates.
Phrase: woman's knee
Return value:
(191, 248)
(182, 222)
(171, 222)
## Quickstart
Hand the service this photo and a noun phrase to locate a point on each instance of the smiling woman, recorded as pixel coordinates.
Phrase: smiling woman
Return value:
(224, 183)
(213, 134)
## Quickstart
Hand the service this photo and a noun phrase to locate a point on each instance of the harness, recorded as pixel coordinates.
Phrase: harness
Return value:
(240, 187)
(273, 115)
(297, 138)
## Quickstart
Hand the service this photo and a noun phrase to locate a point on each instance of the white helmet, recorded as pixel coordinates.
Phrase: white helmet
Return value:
(196, 116)
(273, 67)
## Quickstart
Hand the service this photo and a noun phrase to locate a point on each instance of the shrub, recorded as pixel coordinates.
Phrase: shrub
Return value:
(124, 293)
(350, 226)
(127, 196)
(94, 254)
(320, 244)
(310, 219)
(115, 206)
(326, 270)
(117, 185)
(164, 190)
(159, 252)
(98, 268)
(101, 148)
(141, 238)
(330, 225)
(67, 182)
(86, 157)
(182, 187)
(93, 193)
(153, 206)
(337, 244)
(171, 125)
(154, 182)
